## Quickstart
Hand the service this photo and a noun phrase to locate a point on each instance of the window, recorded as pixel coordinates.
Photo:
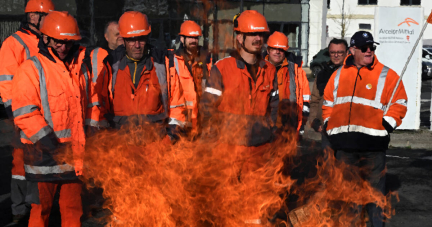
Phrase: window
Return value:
(367, 2)
(410, 2)
(328, 4)
(365, 26)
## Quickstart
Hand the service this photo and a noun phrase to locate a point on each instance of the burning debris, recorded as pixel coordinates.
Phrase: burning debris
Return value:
(201, 183)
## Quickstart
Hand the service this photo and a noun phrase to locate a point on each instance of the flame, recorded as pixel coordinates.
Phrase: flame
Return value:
(147, 182)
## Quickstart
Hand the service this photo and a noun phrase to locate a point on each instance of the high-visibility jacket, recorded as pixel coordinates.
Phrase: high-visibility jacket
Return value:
(50, 96)
(192, 80)
(100, 72)
(153, 100)
(293, 85)
(245, 110)
(15, 50)
(354, 104)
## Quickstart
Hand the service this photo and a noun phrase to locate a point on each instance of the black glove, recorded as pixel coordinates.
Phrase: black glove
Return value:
(9, 112)
(387, 126)
(316, 123)
(16, 139)
(48, 143)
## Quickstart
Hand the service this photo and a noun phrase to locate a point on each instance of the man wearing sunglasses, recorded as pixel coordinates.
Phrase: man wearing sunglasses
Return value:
(355, 99)
(15, 50)
(140, 90)
(239, 104)
(50, 102)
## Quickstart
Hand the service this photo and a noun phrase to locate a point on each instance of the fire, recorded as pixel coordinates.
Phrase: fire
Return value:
(206, 183)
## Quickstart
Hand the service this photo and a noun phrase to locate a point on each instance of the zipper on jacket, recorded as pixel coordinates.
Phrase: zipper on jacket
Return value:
(352, 97)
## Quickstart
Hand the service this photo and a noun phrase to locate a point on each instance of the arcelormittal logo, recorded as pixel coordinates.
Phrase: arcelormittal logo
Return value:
(408, 21)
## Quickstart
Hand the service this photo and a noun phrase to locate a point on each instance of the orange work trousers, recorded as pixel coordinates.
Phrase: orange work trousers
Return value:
(69, 201)
(18, 184)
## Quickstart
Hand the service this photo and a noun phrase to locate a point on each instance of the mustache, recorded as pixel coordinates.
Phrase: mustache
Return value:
(257, 42)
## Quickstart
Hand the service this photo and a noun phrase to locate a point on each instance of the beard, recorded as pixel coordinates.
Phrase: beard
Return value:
(192, 47)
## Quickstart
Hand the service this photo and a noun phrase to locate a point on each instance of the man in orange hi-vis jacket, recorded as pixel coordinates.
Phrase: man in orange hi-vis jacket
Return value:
(355, 99)
(50, 102)
(293, 85)
(139, 87)
(18, 47)
(192, 64)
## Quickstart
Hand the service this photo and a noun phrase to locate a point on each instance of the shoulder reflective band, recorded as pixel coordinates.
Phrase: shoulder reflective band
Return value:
(94, 64)
(115, 69)
(336, 83)
(381, 83)
(176, 65)
(84, 71)
(18, 38)
(292, 82)
(162, 78)
(43, 91)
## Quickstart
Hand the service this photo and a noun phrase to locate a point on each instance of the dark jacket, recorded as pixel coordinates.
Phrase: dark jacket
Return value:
(318, 92)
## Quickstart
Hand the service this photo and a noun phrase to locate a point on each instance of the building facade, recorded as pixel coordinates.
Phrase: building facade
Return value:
(303, 21)
(345, 17)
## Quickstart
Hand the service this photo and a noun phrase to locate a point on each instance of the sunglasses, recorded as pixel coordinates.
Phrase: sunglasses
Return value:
(366, 47)
(58, 42)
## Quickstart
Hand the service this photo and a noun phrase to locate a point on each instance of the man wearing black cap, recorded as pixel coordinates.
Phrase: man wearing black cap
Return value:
(355, 100)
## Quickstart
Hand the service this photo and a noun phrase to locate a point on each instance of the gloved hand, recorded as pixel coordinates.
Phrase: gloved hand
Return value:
(48, 143)
(78, 164)
(387, 126)
(316, 123)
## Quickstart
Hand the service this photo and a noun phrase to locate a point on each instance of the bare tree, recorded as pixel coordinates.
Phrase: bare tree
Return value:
(344, 21)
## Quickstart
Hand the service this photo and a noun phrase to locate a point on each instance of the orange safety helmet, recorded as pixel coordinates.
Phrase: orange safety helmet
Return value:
(41, 6)
(132, 24)
(278, 40)
(190, 28)
(60, 25)
(250, 21)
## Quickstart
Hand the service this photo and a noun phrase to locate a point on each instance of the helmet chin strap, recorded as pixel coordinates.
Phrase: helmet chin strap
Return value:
(37, 26)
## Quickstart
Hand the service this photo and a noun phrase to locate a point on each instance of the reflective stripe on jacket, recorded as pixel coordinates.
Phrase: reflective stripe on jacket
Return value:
(49, 96)
(15, 50)
(246, 111)
(100, 75)
(354, 104)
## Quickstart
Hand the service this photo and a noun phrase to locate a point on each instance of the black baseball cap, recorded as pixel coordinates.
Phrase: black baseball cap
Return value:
(362, 38)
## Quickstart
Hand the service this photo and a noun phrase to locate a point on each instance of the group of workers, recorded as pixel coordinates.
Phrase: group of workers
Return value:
(59, 93)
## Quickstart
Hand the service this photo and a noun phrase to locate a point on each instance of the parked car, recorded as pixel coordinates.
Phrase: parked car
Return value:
(317, 60)
(426, 63)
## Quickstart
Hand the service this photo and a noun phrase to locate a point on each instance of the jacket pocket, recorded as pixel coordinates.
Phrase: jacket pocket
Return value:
(150, 98)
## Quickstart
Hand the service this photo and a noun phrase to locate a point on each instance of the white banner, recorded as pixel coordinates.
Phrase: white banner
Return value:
(397, 29)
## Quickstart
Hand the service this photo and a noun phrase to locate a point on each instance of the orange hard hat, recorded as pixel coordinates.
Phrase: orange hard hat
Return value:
(42, 6)
(190, 28)
(132, 24)
(60, 25)
(250, 21)
(278, 40)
